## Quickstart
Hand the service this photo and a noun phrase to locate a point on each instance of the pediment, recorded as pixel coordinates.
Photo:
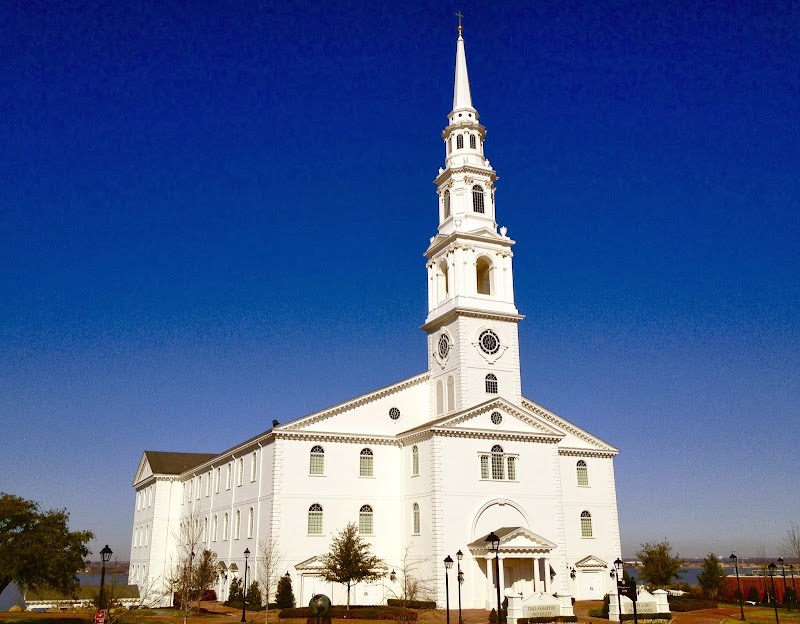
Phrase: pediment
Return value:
(512, 420)
(516, 540)
(575, 441)
(314, 564)
(144, 471)
(591, 562)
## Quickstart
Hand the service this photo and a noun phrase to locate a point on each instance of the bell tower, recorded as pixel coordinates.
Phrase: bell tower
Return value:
(473, 346)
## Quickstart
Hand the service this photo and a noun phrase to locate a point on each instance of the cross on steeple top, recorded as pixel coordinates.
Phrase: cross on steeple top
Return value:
(459, 15)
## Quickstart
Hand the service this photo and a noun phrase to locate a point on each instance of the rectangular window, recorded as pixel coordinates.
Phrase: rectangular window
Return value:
(365, 523)
(317, 464)
(512, 468)
(365, 466)
(484, 466)
(586, 526)
(315, 523)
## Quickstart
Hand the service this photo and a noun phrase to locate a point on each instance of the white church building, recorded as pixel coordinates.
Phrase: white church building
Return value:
(427, 466)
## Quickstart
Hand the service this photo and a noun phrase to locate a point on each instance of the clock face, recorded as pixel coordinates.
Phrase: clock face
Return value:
(444, 346)
(489, 342)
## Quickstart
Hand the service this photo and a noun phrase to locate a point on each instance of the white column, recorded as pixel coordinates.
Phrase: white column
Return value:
(501, 577)
(489, 583)
(547, 581)
(537, 586)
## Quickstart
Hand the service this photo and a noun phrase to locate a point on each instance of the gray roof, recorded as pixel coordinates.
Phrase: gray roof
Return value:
(175, 463)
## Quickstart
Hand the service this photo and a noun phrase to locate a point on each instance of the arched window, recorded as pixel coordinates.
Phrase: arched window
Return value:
(365, 520)
(483, 276)
(451, 393)
(451, 143)
(205, 529)
(583, 473)
(415, 518)
(365, 463)
(251, 516)
(443, 282)
(446, 201)
(586, 524)
(208, 484)
(414, 460)
(237, 527)
(217, 479)
(253, 467)
(315, 519)
(214, 525)
(225, 528)
(240, 478)
(472, 141)
(439, 397)
(317, 461)
(491, 384)
(497, 462)
(477, 199)
(228, 477)
(460, 141)
(199, 485)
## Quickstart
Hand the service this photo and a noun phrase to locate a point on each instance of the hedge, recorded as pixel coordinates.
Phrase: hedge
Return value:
(379, 612)
(548, 618)
(646, 617)
(681, 605)
(411, 604)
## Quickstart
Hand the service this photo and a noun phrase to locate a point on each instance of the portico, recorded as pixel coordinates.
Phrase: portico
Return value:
(523, 563)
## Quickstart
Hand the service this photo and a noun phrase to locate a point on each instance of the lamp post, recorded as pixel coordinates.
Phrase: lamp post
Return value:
(771, 567)
(105, 556)
(460, 578)
(493, 544)
(735, 562)
(783, 572)
(244, 586)
(393, 576)
(617, 570)
(448, 563)
(794, 589)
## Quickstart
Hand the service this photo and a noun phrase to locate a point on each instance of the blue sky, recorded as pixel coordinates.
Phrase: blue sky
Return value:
(213, 215)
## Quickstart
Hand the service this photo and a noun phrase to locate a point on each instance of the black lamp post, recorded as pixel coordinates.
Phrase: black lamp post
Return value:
(735, 562)
(393, 576)
(105, 556)
(493, 544)
(771, 567)
(448, 563)
(617, 570)
(244, 586)
(460, 578)
(783, 572)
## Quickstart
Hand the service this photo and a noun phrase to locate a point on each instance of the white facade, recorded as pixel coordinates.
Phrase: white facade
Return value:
(427, 466)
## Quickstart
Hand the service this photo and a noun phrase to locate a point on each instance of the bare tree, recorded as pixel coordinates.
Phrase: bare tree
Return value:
(407, 585)
(181, 580)
(791, 543)
(270, 564)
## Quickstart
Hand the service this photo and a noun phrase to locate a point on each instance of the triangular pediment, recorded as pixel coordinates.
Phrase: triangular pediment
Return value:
(314, 564)
(591, 562)
(576, 441)
(516, 540)
(144, 471)
(498, 417)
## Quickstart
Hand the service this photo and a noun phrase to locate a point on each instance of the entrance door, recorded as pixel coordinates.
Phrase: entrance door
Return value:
(312, 585)
(590, 586)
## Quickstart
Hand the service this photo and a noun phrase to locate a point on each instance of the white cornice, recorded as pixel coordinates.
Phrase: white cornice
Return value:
(581, 452)
(486, 434)
(353, 403)
(560, 423)
(472, 313)
(332, 436)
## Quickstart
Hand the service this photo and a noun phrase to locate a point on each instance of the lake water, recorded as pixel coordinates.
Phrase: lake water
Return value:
(12, 596)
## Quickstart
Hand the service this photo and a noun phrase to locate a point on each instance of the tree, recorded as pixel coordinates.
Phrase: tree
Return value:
(191, 571)
(270, 565)
(350, 561)
(254, 596)
(657, 565)
(712, 578)
(235, 591)
(205, 573)
(284, 596)
(37, 549)
(791, 543)
(407, 585)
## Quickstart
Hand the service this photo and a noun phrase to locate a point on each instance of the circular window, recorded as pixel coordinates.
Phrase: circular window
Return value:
(497, 418)
(394, 413)
(444, 346)
(489, 342)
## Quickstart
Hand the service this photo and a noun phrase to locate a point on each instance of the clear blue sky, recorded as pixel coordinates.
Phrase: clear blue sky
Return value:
(213, 215)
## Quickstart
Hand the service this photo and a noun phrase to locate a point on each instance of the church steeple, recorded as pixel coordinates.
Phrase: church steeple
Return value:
(472, 319)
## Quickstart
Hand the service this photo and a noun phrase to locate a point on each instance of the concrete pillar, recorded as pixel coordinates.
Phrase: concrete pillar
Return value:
(490, 595)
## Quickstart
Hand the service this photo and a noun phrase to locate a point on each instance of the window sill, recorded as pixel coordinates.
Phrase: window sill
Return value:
(501, 480)
(366, 476)
(315, 475)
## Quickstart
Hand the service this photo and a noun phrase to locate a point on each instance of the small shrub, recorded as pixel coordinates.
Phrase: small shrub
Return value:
(367, 612)
(493, 616)
(411, 604)
(752, 595)
(597, 613)
(682, 604)
(606, 601)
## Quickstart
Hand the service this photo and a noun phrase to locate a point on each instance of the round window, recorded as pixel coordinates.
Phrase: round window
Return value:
(444, 346)
(394, 413)
(489, 342)
(497, 418)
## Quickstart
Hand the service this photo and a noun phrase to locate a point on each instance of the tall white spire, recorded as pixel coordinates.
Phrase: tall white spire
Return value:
(462, 98)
